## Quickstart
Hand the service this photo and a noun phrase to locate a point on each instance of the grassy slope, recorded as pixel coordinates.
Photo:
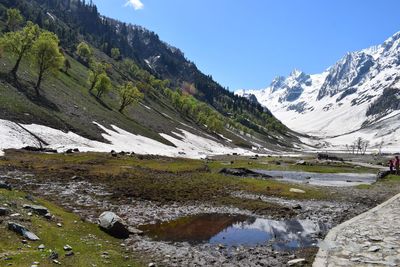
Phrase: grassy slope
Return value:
(87, 240)
(66, 104)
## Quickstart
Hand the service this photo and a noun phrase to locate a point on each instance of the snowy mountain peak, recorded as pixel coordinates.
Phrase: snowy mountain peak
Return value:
(358, 95)
(296, 73)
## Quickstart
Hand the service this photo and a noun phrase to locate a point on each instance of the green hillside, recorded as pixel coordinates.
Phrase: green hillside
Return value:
(176, 93)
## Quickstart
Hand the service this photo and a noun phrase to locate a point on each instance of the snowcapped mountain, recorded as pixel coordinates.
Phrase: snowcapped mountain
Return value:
(356, 97)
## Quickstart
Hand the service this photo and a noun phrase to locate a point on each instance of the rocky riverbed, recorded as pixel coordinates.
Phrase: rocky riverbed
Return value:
(89, 200)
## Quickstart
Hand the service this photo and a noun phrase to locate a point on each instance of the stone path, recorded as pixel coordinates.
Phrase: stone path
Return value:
(370, 239)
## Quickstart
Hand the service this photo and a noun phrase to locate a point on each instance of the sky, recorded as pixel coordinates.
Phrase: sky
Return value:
(244, 44)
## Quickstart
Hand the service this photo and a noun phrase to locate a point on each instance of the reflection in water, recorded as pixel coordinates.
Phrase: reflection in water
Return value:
(236, 230)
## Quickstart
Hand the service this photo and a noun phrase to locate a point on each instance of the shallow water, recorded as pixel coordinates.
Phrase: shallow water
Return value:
(324, 179)
(238, 230)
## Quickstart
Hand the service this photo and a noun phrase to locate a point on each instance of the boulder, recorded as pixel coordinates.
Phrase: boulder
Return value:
(37, 209)
(321, 156)
(19, 229)
(112, 224)
(243, 172)
(295, 190)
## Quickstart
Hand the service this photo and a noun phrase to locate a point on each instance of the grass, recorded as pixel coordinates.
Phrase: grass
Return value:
(87, 240)
(388, 181)
(150, 177)
(287, 164)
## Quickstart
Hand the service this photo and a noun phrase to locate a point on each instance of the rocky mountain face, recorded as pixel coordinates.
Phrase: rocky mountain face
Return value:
(349, 99)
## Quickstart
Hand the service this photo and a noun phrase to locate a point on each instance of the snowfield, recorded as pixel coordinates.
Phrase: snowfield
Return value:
(188, 145)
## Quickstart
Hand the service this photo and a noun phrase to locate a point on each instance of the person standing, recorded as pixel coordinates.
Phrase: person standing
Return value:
(397, 165)
(391, 166)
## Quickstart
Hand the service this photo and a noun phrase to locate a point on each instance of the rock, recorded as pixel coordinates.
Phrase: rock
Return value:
(113, 225)
(53, 255)
(321, 156)
(376, 238)
(19, 229)
(76, 150)
(69, 254)
(301, 162)
(295, 190)
(48, 216)
(5, 186)
(56, 262)
(297, 207)
(41, 247)
(152, 264)
(59, 224)
(374, 249)
(243, 172)
(296, 262)
(37, 209)
(67, 248)
(39, 149)
(382, 174)
(76, 177)
(4, 211)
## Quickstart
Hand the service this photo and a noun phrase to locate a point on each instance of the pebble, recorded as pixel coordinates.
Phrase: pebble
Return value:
(69, 254)
(67, 248)
(41, 247)
(374, 249)
(296, 261)
(59, 224)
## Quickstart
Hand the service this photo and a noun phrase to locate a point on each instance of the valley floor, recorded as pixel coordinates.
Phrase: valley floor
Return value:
(145, 190)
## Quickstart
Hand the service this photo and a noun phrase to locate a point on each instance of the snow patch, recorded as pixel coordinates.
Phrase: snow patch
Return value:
(189, 145)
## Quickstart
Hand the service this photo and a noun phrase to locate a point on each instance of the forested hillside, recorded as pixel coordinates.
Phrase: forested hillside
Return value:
(117, 74)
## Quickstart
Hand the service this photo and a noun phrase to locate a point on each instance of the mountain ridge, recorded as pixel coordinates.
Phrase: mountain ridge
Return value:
(347, 100)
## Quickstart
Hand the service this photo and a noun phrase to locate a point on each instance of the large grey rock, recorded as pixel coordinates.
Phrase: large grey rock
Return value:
(22, 230)
(112, 224)
(37, 209)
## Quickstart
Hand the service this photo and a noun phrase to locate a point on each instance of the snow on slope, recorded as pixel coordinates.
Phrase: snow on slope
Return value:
(335, 102)
(190, 145)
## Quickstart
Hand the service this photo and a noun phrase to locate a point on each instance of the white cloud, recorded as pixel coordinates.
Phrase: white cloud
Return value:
(136, 4)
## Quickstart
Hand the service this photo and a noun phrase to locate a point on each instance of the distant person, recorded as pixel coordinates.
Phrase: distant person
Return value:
(391, 166)
(397, 165)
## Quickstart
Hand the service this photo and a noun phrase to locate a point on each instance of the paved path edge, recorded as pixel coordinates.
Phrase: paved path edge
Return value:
(322, 258)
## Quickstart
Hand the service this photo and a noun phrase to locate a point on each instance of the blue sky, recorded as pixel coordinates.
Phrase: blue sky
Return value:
(246, 43)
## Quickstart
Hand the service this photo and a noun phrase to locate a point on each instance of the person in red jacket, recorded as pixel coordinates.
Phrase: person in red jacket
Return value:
(397, 165)
(391, 166)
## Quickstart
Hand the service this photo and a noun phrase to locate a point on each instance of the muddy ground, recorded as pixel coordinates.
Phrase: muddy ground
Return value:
(89, 197)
